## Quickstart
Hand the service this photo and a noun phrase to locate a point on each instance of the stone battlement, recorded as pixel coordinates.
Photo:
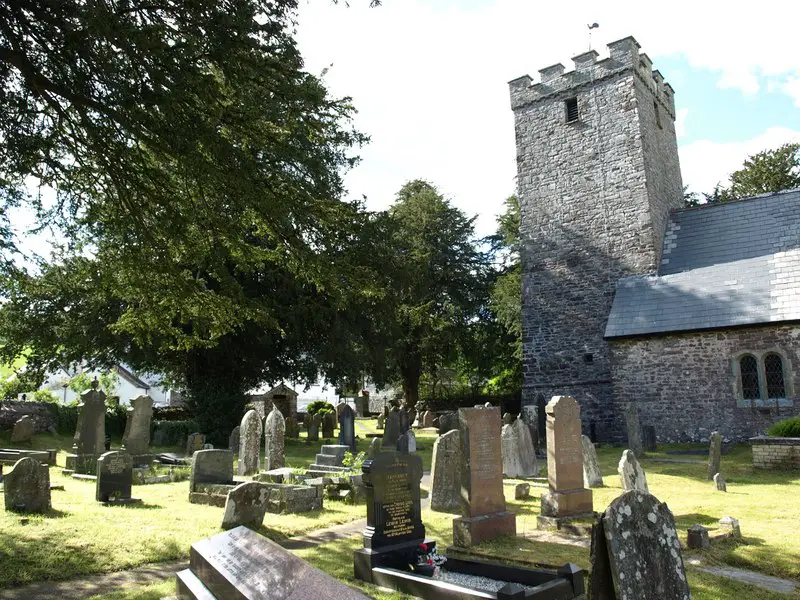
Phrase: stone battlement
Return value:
(624, 56)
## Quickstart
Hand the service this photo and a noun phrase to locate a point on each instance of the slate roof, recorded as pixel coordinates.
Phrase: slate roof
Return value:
(725, 265)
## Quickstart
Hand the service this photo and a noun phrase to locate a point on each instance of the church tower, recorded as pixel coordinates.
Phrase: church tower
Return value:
(598, 173)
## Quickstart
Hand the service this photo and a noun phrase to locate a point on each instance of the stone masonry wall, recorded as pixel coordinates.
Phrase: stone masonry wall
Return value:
(687, 384)
(595, 195)
(776, 453)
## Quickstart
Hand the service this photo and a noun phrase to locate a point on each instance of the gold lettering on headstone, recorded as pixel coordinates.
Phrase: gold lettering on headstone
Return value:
(114, 465)
(398, 505)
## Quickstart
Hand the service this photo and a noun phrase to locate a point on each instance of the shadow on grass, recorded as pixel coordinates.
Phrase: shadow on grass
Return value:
(53, 513)
(133, 505)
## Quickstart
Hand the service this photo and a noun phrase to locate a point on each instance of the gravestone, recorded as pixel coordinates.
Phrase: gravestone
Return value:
(446, 473)
(448, 422)
(567, 497)
(508, 418)
(380, 421)
(636, 554)
(391, 431)
(714, 455)
(649, 438)
(592, 477)
(407, 442)
(90, 433)
(292, 428)
(697, 537)
(405, 423)
(374, 447)
(314, 425)
(212, 467)
(274, 431)
(394, 522)
(136, 439)
(347, 428)
(529, 415)
(412, 417)
(529, 466)
(194, 443)
(250, 432)
(244, 565)
(634, 429)
(719, 482)
(427, 419)
(328, 425)
(484, 514)
(23, 430)
(26, 487)
(732, 525)
(246, 505)
(522, 491)
(233, 440)
(114, 478)
(631, 473)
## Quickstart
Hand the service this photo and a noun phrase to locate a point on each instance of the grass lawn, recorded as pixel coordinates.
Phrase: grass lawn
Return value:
(82, 537)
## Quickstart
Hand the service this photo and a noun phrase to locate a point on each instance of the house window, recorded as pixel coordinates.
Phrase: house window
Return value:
(571, 109)
(773, 373)
(748, 369)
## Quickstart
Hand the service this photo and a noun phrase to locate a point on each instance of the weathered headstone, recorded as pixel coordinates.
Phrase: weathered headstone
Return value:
(446, 473)
(732, 525)
(250, 432)
(636, 554)
(314, 425)
(427, 419)
(484, 514)
(719, 482)
(522, 491)
(697, 537)
(234, 439)
(211, 466)
(23, 430)
(114, 478)
(194, 443)
(347, 428)
(407, 442)
(394, 521)
(592, 477)
(26, 487)
(328, 425)
(391, 431)
(448, 422)
(136, 439)
(631, 473)
(246, 505)
(380, 421)
(649, 438)
(508, 418)
(405, 423)
(714, 455)
(274, 431)
(529, 415)
(90, 433)
(374, 447)
(292, 428)
(567, 496)
(634, 429)
(245, 565)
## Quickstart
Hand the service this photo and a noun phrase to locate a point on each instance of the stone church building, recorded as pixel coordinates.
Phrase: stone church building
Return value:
(692, 314)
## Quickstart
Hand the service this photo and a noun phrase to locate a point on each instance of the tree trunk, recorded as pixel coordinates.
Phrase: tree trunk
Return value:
(410, 371)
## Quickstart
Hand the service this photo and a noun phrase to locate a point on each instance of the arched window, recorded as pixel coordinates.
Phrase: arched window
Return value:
(773, 373)
(748, 368)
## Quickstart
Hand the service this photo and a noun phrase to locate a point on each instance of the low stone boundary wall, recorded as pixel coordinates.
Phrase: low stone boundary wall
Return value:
(776, 452)
(42, 414)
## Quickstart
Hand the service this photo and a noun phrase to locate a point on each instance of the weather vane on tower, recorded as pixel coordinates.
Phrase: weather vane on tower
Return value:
(592, 26)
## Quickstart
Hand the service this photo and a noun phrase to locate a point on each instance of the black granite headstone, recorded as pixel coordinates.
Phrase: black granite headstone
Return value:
(347, 428)
(114, 478)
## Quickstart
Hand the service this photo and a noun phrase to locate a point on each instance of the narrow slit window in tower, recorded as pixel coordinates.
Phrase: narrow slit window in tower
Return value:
(748, 368)
(571, 108)
(658, 115)
(773, 371)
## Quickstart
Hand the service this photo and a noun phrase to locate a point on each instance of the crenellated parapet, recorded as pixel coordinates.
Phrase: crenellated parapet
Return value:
(624, 56)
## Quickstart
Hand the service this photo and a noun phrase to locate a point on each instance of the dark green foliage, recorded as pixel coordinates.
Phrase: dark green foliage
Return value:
(66, 418)
(319, 407)
(24, 382)
(786, 428)
(174, 433)
(116, 417)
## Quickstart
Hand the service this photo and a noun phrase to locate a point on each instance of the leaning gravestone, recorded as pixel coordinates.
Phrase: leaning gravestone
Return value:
(136, 439)
(394, 521)
(314, 424)
(714, 455)
(519, 458)
(23, 430)
(446, 473)
(26, 487)
(246, 505)
(631, 473)
(391, 431)
(234, 438)
(636, 554)
(273, 441)
(592, 477)
(484, 514)
(250, 432)
(244, 565)
(328, 424)
(115, 478)
(194, 443)
(90, 433)
(567, 497)
(347, 428)
(634, 429)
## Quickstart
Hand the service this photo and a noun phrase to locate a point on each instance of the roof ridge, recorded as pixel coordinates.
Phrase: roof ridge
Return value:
(710, 205)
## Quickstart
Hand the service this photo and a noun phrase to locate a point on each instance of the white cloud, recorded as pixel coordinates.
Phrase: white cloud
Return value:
(429, 76)
(706, 163)
(792, 87)
(680, 122)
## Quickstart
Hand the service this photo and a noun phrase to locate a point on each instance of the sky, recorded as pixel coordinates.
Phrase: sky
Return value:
(429, 81)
